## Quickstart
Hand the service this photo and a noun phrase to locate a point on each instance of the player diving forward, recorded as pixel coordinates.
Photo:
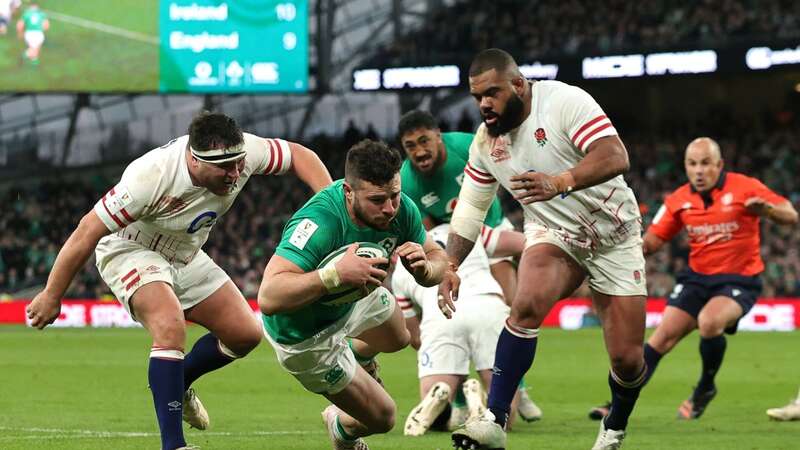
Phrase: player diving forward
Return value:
(446, 347)
(552, 146)
(320, 342)
(147, 233)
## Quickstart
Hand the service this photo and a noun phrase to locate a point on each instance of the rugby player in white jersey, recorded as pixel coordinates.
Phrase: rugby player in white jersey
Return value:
(444, 347)
(552, 146)
(147, 233)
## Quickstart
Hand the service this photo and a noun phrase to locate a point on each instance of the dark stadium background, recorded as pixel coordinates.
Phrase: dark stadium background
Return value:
(60, 150)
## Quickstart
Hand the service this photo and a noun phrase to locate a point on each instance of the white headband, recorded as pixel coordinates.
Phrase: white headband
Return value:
(220, 155)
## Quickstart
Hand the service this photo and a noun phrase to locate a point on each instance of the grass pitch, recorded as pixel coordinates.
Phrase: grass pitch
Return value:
(92, 45)
(87, 389)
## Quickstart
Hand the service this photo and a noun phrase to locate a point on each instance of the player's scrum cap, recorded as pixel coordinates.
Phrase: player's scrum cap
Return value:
(220, 155)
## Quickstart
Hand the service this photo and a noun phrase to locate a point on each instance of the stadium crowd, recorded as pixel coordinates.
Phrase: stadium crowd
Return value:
(40, 216)
(558, 28)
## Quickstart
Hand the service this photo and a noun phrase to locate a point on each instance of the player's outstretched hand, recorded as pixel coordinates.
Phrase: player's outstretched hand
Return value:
(43, 310)
(448, 292)
(534, 187)
(757, 206)
(359, 271)
(414, 259)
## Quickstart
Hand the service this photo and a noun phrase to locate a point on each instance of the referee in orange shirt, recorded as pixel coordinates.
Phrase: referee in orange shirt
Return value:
(721, 212)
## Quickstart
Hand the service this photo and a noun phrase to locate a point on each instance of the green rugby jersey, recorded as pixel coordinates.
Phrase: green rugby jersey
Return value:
(321, 226)
(34, 19)
(436, 194)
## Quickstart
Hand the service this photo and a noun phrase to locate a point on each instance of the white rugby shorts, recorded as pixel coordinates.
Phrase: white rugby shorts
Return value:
(449, 345)
(324, 362)
(617, 270)
(127, 265)
(34, 38)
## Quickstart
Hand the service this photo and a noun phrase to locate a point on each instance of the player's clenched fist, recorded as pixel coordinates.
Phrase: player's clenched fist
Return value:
(43, 310)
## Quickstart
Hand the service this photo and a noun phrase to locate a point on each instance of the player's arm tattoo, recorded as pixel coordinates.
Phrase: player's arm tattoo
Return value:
(458, 247)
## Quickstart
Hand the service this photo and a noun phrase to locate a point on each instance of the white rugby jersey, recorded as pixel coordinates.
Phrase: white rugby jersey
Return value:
(563, 122)
(156, 204)
(476, 279)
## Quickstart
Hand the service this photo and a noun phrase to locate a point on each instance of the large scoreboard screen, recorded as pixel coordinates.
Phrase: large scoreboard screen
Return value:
(167, 46)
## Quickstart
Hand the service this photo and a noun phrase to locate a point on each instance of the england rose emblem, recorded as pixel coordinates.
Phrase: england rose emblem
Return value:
(541, 137)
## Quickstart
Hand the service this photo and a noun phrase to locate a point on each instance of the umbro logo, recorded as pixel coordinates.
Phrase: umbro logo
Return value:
(174, 405)
(736, 292)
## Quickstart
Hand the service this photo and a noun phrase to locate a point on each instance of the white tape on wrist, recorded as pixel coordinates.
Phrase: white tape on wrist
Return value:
(330, 278)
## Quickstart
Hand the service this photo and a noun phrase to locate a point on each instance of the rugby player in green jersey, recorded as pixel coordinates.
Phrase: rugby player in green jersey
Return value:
(31, 27)
(432, 175)
(327, 345)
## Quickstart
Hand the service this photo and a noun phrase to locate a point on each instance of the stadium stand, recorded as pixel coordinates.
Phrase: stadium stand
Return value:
(39, 218)
(557, 28)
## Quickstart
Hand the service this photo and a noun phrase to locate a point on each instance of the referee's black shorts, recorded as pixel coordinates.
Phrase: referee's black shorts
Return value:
(693, 290)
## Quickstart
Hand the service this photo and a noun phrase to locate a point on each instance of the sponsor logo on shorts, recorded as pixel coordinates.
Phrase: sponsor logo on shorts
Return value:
(334, 374)
(425, 359)
(637, 277)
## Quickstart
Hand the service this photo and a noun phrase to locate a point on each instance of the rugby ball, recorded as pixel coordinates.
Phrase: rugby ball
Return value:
(348, 294)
